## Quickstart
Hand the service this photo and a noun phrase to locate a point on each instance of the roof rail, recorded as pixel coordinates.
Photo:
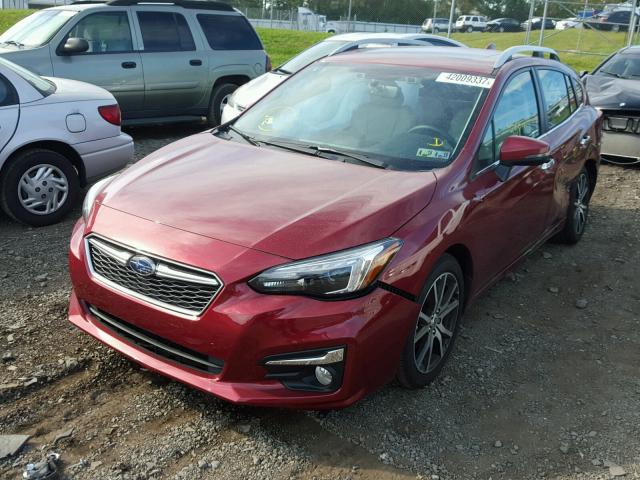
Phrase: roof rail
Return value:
(195, 4)
(510, 52)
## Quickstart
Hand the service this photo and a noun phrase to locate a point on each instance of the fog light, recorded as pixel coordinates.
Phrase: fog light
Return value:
(324, 376)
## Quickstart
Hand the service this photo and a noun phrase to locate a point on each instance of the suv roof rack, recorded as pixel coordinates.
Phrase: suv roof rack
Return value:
(195, 4)
(510, 52)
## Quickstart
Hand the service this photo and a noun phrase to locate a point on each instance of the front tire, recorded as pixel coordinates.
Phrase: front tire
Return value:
(501, 29)
(39, 187)
(219, 99)
(431, 339)
(578, 210)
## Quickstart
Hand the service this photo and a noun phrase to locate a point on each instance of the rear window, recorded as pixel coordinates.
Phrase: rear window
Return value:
(229, 32)
(165, 32)
(554, 90)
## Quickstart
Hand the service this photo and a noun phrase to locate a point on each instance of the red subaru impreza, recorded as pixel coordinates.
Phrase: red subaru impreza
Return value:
(330, 238)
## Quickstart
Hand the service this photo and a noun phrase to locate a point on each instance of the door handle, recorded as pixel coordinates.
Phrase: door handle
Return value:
(548, 164)
(195, 62)
(586, 140)
(128, 64)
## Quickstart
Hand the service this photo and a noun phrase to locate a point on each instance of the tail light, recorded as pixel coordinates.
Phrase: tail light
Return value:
(269, 66)
(111, 113)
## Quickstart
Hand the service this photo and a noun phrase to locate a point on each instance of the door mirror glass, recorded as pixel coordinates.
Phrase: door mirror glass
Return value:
(517, 150)
(74, 45)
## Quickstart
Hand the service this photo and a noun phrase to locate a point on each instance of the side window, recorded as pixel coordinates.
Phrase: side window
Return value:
(229, 32)
(8, 94)
(165, 32)
(556, 97)
(577, 86)
(572, 96)
(106, 32)
(474, 19)
(516, 114)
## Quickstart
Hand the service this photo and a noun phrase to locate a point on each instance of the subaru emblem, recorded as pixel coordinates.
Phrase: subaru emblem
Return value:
(142, 265)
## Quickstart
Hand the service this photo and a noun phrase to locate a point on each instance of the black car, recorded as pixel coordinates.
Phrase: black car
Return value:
(614, 88)
(617, 21)
(503, 25)
(536, 24)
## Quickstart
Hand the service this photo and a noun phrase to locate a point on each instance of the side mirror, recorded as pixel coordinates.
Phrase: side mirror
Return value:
(74, 45)
(584, 73)
(525, 151)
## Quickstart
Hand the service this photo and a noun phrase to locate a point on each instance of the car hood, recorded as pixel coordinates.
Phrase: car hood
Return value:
(283, 203)
(251, 92)
(613, 93)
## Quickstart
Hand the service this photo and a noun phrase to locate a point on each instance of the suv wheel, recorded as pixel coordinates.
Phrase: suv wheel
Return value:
(39, 187)
(501, 29)
(469, 29)
(436, 30)
(219, 99)
(430, 341)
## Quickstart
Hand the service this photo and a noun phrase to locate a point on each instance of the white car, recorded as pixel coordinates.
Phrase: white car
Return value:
(56, 136)
(471, 23)
(568, 23)
(250, 92)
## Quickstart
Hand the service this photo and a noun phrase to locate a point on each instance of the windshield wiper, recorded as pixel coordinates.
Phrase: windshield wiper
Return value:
(282, 70)
(13, 42)
(353, 156)
(247, 138)
(607, 72)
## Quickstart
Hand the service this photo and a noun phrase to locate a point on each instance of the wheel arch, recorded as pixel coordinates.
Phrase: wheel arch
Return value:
(463, 256)
(57, 146)
(592, 169)
(237, 79)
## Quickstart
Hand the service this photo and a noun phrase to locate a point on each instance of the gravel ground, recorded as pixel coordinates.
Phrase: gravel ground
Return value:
(544, 381)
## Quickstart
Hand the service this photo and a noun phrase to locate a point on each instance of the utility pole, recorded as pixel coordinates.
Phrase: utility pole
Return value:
(433, 21)
(349, 18)
(531, 11)
(453, 10)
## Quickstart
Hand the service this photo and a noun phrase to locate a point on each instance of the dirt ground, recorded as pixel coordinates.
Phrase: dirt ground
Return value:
(544, 381)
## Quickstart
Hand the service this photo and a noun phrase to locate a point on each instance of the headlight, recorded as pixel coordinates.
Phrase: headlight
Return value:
(341, 273)
(231, 101)
(92, 194)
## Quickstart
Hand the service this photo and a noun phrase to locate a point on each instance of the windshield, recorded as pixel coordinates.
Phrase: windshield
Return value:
(311, 54)
(621, 66)
(45, 87)
(37, 29)
(409, 118)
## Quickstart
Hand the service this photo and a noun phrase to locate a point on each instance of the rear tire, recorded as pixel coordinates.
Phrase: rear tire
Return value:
(501, 29)
(219, 99)
(469, 29)
(431, 338)
(615, 28)
(39, 187)
(436, 30)
(577, 211)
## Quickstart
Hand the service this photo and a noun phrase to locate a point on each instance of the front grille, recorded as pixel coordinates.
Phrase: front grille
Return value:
(621, 121)
(169, 285)
(158, 345)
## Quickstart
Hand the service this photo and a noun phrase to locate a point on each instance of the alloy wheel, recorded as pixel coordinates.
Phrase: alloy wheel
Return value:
(436, 323)
(43, 189)
(581, 203)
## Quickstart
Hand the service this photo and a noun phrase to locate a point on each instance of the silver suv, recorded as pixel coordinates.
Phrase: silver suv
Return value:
(164, 62)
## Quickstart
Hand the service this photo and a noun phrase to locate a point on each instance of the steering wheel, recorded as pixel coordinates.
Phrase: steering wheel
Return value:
(435, 133)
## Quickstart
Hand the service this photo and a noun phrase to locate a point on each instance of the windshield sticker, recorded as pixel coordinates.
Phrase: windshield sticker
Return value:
(267, 123)
(464, 79)
(432, 153)
(437, 142)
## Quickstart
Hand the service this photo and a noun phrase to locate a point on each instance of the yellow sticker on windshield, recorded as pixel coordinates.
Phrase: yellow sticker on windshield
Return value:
(465, 79)
(437, 142)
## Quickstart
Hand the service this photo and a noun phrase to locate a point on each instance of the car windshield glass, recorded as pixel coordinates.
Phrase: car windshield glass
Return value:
(37, 29)
(310, 55)
(621, 66)
(45, 87)
(409, 118)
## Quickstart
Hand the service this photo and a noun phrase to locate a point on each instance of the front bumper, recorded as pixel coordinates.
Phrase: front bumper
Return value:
(621, 148)
(242, 328)
(102, 157)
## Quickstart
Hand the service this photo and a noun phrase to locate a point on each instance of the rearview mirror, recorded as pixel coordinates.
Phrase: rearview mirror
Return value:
(74, 45)
(518, 150)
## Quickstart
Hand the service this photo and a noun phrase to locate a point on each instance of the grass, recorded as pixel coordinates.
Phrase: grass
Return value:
(284, 44)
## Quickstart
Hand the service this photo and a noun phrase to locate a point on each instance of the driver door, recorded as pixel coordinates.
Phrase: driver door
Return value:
(111, 61)
(508, 208)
